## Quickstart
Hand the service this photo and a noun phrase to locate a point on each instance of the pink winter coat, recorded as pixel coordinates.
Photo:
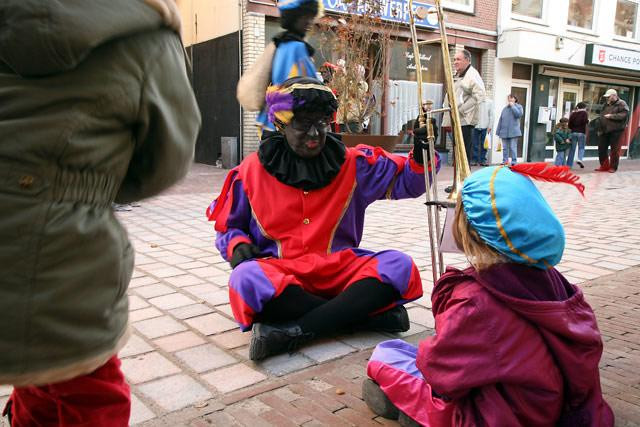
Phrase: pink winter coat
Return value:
(514, 346)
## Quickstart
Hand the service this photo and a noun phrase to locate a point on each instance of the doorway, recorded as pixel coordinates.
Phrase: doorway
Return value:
(522, 91)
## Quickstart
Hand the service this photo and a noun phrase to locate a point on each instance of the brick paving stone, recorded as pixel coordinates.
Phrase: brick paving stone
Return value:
(189, 311)
(232, 339)
(206, 272)
(205, 358)
(191, 265)
(179, 341)
(139, 412)
(296, 415)
(170, 301)
(284, 364)
(363, 340)
(143, 280)
(233, 378)
(144, 314)
(167, 272)
(159, 326)
(175, 392)
(422, 317)
(210, 324)
(323, 350)
(135, 346)
(157, 289)
(147, 367)
(136, 302)
(184, 280)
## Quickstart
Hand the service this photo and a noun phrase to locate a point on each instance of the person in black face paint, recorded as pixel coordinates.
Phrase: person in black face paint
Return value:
(290, 220)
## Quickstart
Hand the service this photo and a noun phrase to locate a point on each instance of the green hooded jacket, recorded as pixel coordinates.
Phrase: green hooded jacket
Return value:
(95, 106)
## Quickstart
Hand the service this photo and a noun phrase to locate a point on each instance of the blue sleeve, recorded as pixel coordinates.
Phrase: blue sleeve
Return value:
(291, 60)
(517, 110)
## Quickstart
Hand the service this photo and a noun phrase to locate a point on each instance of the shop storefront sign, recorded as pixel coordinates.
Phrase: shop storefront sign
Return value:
(607, 56)
(392, 10)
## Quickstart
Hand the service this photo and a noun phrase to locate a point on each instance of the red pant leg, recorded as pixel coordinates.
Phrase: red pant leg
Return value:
(98, 399)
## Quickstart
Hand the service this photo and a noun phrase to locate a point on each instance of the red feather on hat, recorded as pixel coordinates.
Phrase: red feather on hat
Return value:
(546, 172)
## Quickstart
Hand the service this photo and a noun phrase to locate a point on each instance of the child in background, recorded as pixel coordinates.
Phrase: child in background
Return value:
(516, 344)
(562, 138)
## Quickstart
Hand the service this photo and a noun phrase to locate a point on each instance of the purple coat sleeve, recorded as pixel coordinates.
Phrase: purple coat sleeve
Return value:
(382, 180)
(237, 223)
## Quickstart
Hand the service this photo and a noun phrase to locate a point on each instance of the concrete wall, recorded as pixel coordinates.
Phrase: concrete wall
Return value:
(204, 20)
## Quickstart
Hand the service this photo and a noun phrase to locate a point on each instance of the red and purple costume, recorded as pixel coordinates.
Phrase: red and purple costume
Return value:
(312, 237)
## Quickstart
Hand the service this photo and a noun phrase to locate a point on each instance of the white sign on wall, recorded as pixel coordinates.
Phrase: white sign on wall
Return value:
(607, 56)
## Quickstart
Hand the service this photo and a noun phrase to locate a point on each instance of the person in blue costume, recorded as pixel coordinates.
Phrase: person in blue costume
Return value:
(293, 55)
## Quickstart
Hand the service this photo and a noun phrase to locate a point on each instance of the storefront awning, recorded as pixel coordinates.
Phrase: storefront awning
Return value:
(625, 79)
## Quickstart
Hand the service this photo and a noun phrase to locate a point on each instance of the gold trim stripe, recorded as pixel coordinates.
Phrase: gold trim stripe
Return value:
(496, 214)
(265, 234)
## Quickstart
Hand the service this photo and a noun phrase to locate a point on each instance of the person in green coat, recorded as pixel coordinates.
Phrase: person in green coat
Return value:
(562, 138)
(95, 107)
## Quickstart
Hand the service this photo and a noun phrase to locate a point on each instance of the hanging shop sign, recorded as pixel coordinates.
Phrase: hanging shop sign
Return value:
(391, 10)
(607, 56)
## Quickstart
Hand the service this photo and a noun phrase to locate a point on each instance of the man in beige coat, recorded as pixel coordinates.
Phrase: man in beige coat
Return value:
(470, 92)
(95, 107)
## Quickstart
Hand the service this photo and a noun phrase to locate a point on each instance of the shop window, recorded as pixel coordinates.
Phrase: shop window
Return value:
(581, 14)
(529, 8)
(521, 71)
(593, 93)
(403, 65)
(461, 5)
(626, 18)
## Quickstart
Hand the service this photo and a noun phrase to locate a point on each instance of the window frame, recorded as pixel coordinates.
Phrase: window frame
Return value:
(636, 37)
(452, 5)
(543, 15)
(594, 23)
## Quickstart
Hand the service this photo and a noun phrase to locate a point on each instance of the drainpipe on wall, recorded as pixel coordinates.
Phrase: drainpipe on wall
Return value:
(240, 31)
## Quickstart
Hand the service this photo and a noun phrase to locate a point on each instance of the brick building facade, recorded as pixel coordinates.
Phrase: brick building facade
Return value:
(471, 24)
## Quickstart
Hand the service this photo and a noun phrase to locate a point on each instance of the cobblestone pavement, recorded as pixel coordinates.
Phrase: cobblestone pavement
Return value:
(188, 363)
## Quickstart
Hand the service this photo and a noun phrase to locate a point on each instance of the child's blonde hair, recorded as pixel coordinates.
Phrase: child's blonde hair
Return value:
(480, 255)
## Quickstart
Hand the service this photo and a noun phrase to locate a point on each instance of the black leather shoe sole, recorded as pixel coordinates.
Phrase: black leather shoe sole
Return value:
(393, 320)
(258, 348)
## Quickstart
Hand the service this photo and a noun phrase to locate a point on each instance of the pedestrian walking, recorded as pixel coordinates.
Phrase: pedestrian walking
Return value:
(288, 55)
(298, 272)
(562, 138)
(578, 121)
(96, 107)
(613, 122)
(485, 123)
(515, 343)
(509, 129)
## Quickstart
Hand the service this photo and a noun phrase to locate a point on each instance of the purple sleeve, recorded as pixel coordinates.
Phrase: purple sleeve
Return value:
(381, 180)
(237, 223)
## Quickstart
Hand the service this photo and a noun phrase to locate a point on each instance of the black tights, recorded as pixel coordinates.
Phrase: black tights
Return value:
(319, 316)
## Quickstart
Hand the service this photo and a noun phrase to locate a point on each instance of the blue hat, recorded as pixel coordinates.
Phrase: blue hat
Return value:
(509, 214)
(293, 4)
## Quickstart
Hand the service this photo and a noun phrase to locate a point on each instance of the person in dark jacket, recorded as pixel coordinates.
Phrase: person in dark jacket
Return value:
(509, 129)
(515, 343)
(421, 132)
(578, 121)
(95, 107)
(613, 121)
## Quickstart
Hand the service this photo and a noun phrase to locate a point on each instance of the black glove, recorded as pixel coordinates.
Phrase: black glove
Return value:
(243, 252)
(419, 142)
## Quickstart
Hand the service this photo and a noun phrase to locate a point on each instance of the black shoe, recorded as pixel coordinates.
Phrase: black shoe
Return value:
(448, 189)
(393, 320)
(381, 405)
(579, 162)
(473, 164)
(484, 164)
(7, 411)
(268, 340)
